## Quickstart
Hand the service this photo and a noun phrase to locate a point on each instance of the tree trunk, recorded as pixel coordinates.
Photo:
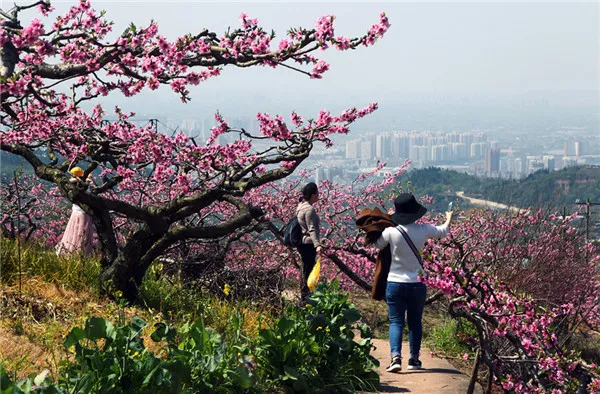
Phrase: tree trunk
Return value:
(126, 271)
(106, 237)
(474, 372)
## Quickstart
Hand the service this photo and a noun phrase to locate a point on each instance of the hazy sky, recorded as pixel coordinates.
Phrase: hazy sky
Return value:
(432, 51)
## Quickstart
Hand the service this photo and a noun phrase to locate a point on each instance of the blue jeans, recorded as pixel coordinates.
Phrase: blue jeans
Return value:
(406, 299)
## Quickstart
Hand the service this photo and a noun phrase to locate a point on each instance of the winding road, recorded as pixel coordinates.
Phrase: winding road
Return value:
(489, 204)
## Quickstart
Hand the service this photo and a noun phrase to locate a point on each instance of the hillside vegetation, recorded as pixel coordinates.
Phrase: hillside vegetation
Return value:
(541, 189)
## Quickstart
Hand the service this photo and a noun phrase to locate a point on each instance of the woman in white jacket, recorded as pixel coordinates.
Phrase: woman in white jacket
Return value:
(405, 294)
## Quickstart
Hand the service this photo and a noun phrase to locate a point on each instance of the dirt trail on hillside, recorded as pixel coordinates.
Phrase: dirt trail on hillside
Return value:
(437, 375)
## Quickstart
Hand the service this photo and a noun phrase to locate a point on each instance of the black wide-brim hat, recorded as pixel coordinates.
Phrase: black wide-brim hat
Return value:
(408, 209)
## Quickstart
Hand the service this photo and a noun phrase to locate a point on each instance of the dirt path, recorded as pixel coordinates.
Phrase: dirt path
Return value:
(437, 375)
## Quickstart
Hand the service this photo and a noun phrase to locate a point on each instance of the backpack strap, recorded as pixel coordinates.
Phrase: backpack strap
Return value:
(412, 246)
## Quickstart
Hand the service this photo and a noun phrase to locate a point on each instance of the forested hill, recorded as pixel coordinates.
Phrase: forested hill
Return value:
(558, 188)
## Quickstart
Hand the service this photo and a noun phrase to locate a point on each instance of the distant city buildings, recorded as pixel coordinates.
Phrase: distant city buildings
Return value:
(471, 152)
(549, 163)
(466, 151)
(572, 153)
(492, 162)
(418, 147)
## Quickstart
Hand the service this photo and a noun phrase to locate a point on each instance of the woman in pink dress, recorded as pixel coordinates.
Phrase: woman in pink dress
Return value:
(78, 234)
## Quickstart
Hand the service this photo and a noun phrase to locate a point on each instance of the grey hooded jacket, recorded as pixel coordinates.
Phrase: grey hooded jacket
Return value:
(309, 222)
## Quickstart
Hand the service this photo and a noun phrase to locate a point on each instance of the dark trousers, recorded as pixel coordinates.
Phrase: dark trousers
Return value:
(309, 256)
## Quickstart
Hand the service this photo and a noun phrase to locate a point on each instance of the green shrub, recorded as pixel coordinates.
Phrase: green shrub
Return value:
(210, 364)
(111, 359)
(313, 349)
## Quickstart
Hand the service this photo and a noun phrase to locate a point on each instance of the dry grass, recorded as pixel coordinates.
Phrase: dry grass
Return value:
(35, 321)
(19, 354)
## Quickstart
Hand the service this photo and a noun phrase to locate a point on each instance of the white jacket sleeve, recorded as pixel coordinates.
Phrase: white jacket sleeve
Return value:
(384, 239)
(436, 231)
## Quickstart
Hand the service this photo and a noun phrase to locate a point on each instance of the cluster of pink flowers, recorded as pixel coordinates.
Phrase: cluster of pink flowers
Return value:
(274, 127)
(29, 35)
(485, 268)
(377, 30)
(319, 69)
(491, 270)
(31, 210)
(325, 29)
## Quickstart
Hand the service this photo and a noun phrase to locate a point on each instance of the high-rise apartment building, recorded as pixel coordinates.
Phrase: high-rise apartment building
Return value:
(569, 148)
(437, 153)
(366, 150)
(353, 149)
(549, 163)
(382, 146)
(520, 167)
(477, 149)
(424, 153)
(459, 151)
(466, 138)
(492, 161)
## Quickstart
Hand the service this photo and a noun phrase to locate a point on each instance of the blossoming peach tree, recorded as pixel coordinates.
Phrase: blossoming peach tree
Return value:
(528, 283)
(167, 189)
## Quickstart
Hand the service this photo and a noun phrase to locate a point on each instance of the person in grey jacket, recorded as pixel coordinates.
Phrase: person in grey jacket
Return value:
(311, 242)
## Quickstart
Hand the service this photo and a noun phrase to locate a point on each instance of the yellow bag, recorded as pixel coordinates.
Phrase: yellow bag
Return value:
(313, 278)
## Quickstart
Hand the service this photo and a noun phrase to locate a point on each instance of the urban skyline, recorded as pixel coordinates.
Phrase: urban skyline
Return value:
(478, 152)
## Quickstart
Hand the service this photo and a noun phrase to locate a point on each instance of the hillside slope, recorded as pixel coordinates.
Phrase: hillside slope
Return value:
(541, 189)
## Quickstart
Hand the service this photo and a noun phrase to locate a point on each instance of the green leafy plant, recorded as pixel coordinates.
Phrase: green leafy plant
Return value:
(314, 349)
(210, 364)
(311, 349)
(113, 359)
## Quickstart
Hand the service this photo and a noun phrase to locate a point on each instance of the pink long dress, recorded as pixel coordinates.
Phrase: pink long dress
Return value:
(78, 234)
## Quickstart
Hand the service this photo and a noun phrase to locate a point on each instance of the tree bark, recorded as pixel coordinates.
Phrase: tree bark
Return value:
(126, 271)
(474, 372)
(351, 274)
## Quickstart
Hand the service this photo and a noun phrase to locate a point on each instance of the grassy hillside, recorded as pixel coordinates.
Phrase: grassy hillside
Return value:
(175, 338)
(52, 295)
(542, 189)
